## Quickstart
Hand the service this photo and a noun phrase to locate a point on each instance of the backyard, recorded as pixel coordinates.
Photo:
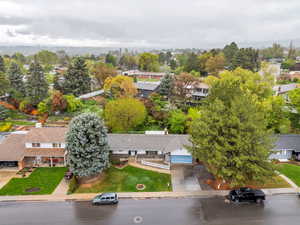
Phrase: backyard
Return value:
(126, 179)
(291, 171)
(40, 181)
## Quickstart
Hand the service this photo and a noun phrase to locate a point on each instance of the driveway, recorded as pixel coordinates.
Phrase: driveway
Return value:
(5, 176)
(184, 178)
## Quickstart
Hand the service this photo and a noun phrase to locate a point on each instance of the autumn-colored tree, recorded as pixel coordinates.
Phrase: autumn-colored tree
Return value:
(58, 101)
(215, 64)
(120, 86)
(183, 88)
(124, 114)
(102, 71)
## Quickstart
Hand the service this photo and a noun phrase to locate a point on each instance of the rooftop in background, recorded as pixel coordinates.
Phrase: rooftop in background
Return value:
(288, 142)
(91, 94)
(138, 72)
(145, 85)
(283, 88)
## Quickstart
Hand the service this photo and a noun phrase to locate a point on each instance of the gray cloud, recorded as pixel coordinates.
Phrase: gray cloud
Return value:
(168, 23)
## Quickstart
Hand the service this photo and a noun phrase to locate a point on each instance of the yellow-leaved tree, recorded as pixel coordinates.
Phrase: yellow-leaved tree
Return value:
(120, 86)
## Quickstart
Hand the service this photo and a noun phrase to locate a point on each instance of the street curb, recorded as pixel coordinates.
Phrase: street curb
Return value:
(137, 195)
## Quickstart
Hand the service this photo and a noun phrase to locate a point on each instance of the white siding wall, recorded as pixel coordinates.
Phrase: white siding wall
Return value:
(181, 152)
(43, 145)
(120, 152)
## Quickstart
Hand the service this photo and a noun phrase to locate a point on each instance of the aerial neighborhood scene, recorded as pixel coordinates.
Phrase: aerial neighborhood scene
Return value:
(174, 113)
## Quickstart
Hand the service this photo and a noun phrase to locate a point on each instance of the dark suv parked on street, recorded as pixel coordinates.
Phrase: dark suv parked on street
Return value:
(246, 194)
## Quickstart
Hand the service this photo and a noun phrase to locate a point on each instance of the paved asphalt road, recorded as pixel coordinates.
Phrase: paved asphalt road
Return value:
(277, 210)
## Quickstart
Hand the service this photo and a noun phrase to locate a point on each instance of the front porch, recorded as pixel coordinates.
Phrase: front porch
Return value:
(40, 161)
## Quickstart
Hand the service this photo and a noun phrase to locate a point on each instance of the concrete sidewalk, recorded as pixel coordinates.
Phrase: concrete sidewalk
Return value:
(136, 195)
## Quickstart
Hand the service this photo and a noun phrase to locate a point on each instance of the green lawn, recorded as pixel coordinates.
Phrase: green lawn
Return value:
(275, 182)
(126, 179)
(291, 171)
(21, 122)
(45, 178)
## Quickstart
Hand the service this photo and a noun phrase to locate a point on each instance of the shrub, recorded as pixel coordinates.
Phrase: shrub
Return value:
(5, 127)
(4, 112)
(73, 185)
(25, 106)
(44, 107)
(73, 104)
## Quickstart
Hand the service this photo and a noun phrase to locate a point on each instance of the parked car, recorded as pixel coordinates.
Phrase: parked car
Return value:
(105, 199)
(247, 194)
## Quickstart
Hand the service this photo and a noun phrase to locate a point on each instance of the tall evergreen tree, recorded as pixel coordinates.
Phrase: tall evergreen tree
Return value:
(15, 77)
(231, 135)
(192, 63)
(36, 85)
(87, 145)
(4, 84)
(77, 80)
(229, 53)
(166, 85)
(2, 65)
(246, 58)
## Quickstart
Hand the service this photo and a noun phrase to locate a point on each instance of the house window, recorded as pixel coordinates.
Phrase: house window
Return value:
(36, 145)
(151, 152)
(56, 145)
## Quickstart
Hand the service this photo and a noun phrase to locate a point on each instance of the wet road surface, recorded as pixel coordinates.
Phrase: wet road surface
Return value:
(277, 210)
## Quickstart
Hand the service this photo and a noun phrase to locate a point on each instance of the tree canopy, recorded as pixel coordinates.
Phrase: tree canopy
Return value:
(15, 77)
(120, 86)
(148, 62)
(166, 85)
(102, 71)
(87, 145)
(77, 80)
(231, 135)
(124, 114)
(36, 85)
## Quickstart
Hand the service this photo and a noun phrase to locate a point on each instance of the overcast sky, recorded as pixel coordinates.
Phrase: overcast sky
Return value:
(147, 23)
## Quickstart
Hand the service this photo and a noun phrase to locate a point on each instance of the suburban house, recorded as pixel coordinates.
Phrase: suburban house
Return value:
(36, 147)
(144, 75)
(45, 146)
(287, 146)
(200, 91)
(296, 67)
(146, 88)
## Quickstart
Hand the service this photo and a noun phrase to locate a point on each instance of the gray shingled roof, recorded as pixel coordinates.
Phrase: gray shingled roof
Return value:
(165, 143)
(288, 141)
(151, 86)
